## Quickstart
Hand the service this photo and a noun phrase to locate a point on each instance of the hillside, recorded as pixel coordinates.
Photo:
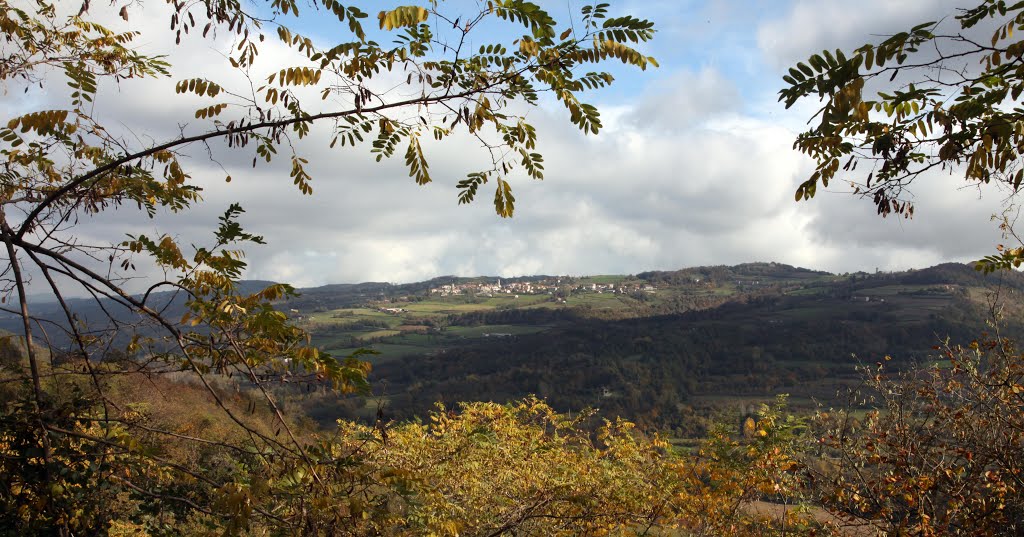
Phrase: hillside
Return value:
(668, 349)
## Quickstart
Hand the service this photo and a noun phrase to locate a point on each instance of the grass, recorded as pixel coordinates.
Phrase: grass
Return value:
(370, 313)
(603, 300)
(479, 331)
(523, 300)
(421, 340)
(385, 351)
(891, 290)
(432, 307)
(378, 333)
(392, 350)
(352, 315)
(334, 340)
(808, 291)
(545, 304)
(397, 343)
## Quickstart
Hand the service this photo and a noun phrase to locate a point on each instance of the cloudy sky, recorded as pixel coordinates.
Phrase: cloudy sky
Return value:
(695, 167)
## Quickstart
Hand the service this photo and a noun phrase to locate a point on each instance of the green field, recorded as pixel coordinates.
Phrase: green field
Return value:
(809, 291)
(603, 300)
(892, 290)
(381, 332)
(385, 351)
(397, 344)
(441, 308)
(378, 333)
(483, 330)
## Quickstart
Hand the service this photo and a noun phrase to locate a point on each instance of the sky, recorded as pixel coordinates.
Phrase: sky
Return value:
(695, 166)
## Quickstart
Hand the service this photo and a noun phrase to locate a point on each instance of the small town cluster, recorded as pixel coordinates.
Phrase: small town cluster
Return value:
(549, 286)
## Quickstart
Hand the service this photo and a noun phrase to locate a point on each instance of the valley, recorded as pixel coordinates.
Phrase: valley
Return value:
(671, 350)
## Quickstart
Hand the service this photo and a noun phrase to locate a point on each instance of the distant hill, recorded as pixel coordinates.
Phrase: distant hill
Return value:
(335, 296)
(668, 356)
(665, 348)
(776, 272)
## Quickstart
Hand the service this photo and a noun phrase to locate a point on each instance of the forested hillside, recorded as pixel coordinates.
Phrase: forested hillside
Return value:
(706, 340)
(699, 342)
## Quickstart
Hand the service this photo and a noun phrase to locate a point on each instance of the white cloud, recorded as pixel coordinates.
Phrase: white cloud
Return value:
(809, 26)
(681, 176)
(683, 98)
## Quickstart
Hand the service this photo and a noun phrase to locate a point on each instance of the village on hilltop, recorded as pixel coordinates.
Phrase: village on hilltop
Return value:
(548, 286)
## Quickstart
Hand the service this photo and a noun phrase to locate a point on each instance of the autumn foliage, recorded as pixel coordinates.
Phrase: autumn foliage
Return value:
(940, 453)
(164, 421)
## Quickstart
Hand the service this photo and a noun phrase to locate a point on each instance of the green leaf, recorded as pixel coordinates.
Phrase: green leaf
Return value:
(504, 202)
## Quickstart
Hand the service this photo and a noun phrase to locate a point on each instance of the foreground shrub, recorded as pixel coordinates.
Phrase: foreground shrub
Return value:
(941, 453)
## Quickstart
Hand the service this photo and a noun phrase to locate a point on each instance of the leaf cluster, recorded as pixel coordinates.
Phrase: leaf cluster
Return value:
(919, 100)
(940, 454)
(63, 166)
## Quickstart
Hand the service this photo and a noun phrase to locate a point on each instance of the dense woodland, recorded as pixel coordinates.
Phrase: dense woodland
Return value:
(673, 372)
